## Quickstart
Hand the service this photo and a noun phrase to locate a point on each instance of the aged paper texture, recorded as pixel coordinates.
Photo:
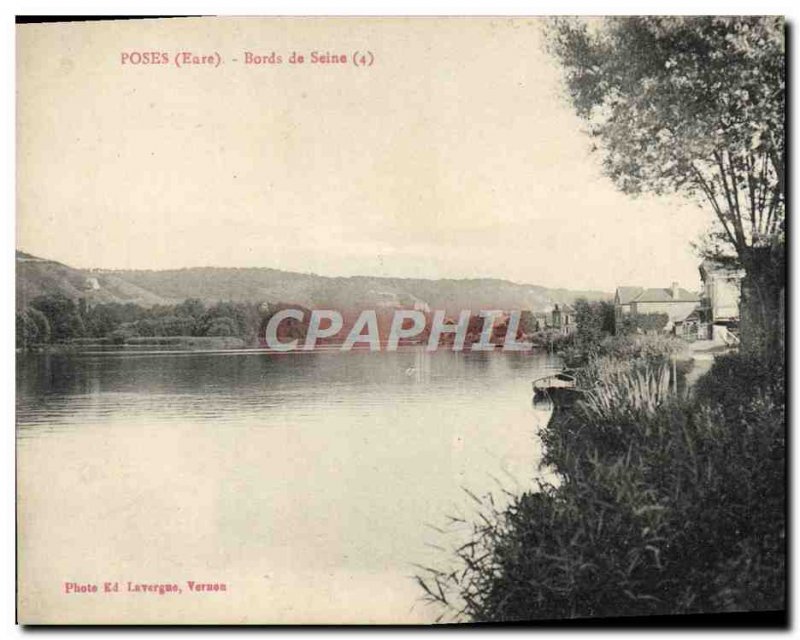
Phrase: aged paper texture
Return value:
(399, 320)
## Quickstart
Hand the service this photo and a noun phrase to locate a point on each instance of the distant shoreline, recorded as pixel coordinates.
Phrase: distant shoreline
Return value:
(222, 345)
(136, 344)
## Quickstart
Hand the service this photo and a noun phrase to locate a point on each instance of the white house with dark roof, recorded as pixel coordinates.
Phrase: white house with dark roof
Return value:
(623, 299)
(677, 303)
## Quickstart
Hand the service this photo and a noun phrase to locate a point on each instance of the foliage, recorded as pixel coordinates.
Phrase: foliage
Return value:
(595, 323)
(230, 318)
(626, 395)
(62, 316)
(122, 335)
(32, 328)
(191, 307)
(222, 326)
(594, 320)
(644, 322)
(693, 105)
(42, 325)
(26, 330)
(120, 322)
(29, 332)
(166, 326)
(736, 376)
(554, 340)
(664, 506)
(652, 348)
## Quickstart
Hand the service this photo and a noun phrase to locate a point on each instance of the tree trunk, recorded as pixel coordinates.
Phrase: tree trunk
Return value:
(763, 321)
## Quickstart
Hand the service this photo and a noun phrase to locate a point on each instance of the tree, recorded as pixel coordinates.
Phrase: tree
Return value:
(193, 307)
(222, 326)
(62, 316)
(32, 328)
(695, 106)
(176, 326)
(608, 316)
(42, 325)
(594, 320)
(246, 318)
(101, 320)
(147, 327)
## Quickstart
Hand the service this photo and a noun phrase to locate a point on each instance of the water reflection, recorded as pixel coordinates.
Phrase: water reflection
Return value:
(319, 471)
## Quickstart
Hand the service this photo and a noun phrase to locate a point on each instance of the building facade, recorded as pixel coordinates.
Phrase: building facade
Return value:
(563, 319)
(722, 290)
(674, 301)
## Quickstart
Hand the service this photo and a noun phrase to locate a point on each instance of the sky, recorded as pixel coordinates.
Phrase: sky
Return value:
(455, 155)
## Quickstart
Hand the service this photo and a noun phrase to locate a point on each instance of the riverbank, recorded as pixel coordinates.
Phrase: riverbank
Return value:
(701, 354)
(666, 503)
(185, 343)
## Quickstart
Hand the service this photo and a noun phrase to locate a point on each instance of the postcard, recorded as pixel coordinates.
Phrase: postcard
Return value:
(400, 320)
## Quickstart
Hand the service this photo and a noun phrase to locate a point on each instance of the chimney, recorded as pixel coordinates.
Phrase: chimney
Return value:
(674, 290)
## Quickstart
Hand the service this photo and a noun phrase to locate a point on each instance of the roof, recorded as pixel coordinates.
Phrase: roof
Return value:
(627, 295)
(694, 315)
(665, 295)
(709, 267)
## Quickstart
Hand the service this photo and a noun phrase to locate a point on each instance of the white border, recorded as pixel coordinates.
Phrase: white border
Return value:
(288, 7)
(409, 7)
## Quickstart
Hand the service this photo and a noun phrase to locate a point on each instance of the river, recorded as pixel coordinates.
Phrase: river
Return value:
(308, 483)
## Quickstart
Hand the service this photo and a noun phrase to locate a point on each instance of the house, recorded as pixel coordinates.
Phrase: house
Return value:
(623, 298)
(533, 321)
(541, 320)
(563, 319)
(722, 288)
(677, 303)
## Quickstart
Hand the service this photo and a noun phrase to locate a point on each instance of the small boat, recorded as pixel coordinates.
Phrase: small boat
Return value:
(557, 388)
(561, 380)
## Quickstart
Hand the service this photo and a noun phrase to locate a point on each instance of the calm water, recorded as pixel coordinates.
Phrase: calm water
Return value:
(306, 482)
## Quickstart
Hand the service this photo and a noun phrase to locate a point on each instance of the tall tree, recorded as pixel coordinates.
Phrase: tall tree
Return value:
(695, 106)
(62, 316)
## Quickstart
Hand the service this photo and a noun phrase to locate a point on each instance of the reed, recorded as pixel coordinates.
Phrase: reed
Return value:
(626, 392)
(665, 505)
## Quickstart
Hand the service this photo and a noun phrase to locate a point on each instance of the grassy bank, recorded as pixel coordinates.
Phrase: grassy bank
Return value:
(188, 343)
(666, 503)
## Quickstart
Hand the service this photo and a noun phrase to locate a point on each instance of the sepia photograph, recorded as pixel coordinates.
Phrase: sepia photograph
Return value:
(393, 320)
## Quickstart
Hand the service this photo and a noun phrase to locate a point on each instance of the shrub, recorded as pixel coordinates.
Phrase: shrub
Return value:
(650, 348)
(32, 328)
(122, 335)
(645, 322)
(222, 326)
(594, 319)
(62, 316)
(664, 506)
(626, 395)
(734, 377)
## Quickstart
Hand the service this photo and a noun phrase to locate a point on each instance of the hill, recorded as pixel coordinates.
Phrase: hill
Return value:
(36, 276)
